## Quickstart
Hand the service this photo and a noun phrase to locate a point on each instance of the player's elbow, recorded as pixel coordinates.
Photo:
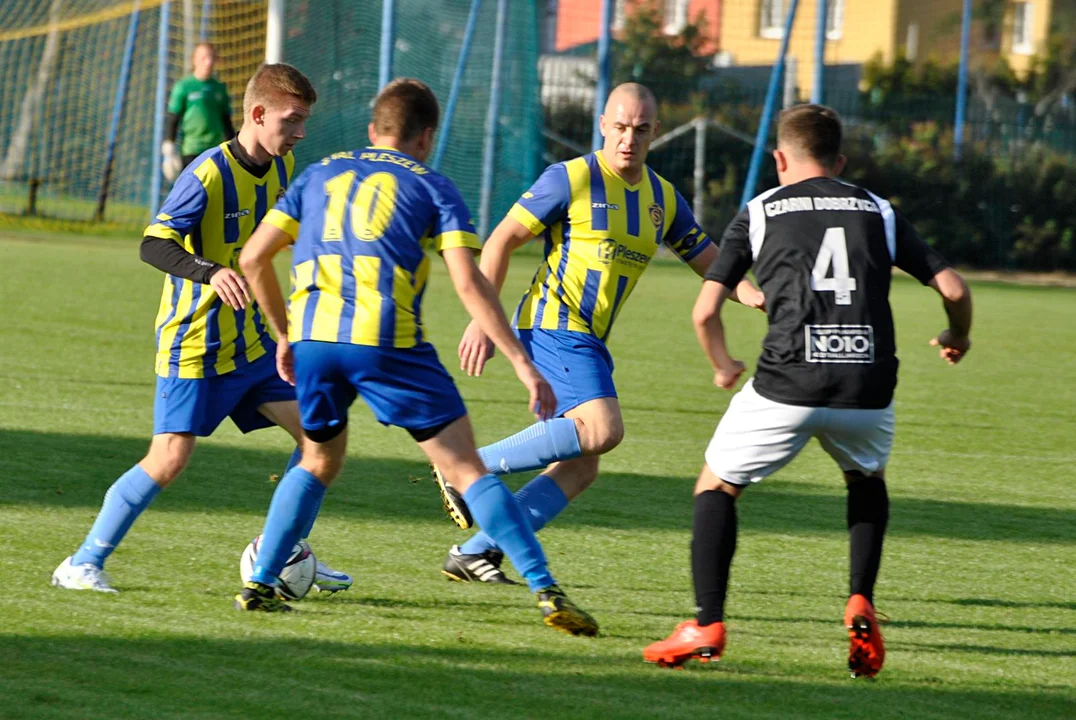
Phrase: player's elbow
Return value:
(704, 314)
(952, 287)
(249, 262)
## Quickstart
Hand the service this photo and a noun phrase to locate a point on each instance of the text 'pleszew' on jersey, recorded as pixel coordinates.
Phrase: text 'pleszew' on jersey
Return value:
(362, 223)
(823, 252)
(600, 234)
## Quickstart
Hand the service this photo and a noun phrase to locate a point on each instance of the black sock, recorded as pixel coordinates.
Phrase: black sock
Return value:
(868, 513)
(713, 544)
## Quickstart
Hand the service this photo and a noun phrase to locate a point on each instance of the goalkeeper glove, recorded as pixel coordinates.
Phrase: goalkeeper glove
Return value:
(172, 163)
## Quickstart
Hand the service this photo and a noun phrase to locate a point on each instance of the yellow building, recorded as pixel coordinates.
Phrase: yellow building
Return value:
(856, 30)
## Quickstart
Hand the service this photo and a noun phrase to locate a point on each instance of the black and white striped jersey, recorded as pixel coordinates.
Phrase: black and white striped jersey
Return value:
(823, 252)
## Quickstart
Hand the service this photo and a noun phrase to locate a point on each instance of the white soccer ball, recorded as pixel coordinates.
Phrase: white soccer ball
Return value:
(299, 572)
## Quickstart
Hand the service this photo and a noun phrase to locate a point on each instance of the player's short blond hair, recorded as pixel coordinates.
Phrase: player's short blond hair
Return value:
(813, 131)
(272, 84)
(404, 108)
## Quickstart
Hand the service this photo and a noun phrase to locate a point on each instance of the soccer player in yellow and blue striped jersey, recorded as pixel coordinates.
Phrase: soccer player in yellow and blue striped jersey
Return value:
(361, 224)
(602, 217)
(215, 357)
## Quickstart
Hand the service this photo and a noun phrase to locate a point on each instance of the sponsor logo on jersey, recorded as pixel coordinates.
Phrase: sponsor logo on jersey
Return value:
(657, 215)
(236, 215)
(612, 251)
(604, 206)
(839, 343)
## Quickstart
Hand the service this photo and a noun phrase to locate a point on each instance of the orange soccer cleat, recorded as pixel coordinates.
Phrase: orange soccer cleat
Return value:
(688, 641)
(867, 651)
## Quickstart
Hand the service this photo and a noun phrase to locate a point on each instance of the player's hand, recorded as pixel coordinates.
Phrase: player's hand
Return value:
(755, 299)
(475, 350)
(231, 287)
(543, 401)
(953, 349)
(285, 362)
(171, 162)
(725, 378)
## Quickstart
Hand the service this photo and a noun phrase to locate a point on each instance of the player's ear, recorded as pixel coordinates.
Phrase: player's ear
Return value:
(838, 167)
(427, 138)
(372, 135)
(781, 161)
(257, 114)
(601, 124)
(655, 129)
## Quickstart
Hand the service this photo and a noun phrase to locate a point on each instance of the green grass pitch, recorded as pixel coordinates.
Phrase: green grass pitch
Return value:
(978, 576)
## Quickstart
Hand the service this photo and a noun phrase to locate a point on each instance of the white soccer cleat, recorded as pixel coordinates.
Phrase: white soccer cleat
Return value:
(331, 581)
(82, 577)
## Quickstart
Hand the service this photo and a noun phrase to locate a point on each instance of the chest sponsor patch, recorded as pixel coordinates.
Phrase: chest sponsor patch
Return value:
(839, 343)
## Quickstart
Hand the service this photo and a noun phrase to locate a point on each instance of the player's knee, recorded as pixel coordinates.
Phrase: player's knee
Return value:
(324, 467)
(165, 461)
(599, 438)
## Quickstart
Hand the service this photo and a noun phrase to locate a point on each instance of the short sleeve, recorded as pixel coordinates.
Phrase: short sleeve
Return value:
(914, 256)
(182, 210)
(546, 202)
(735, 258)
(288, 211)
(177, 99)
(452, 226)
(685, 237)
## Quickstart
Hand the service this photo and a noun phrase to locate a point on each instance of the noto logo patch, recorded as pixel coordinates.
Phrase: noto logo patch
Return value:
(839, 343)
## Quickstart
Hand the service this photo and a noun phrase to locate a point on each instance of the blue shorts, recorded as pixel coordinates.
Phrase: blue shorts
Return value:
(199, 405)
(405, 387)
(577, 365)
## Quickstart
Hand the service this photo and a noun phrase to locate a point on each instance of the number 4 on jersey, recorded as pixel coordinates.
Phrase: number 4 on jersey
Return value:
(834, 251)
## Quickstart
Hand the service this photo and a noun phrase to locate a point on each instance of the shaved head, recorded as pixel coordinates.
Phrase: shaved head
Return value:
(631, 91)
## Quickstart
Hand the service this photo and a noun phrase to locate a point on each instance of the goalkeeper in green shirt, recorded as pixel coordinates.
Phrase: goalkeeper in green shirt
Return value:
(199, 105)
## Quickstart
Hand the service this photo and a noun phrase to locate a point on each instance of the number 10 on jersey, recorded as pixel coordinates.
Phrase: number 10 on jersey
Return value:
(834, 251)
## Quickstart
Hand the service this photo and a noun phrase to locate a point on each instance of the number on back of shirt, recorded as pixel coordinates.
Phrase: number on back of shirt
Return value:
(833, 254)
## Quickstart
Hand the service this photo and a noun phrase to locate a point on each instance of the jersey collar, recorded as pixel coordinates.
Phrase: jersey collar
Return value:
(614, 173)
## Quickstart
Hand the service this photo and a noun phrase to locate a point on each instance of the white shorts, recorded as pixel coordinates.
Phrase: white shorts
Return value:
(757, 437)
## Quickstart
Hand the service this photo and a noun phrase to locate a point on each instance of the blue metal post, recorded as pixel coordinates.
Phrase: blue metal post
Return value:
(117, 112)
(818, 89)
(158, 107)
(962, 82)
(388, 41)
(601, 92)
(767, 110)
(203, 29)
(457, 81)
(489, 148)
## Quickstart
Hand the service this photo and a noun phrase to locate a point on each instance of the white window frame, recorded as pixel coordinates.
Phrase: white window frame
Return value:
(1024, 13)
(675, 16)
(620, 14)
(835, 20)
(776, 29)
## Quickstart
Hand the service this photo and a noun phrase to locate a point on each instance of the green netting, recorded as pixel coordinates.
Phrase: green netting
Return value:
(337, 43)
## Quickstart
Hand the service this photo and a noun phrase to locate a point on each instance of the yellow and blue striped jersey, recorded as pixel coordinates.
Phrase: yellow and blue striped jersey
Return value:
(211, 211)
(362, 223)
(600, 235)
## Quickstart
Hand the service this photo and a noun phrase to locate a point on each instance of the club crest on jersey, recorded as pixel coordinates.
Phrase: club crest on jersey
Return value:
(657, 215)
(280, 194)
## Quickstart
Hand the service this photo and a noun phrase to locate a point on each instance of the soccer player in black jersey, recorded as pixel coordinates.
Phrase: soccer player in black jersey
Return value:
(823, 252)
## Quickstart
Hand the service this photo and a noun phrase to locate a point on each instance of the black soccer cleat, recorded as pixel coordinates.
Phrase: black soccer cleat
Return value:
(484, 567)
(453, 501)
(255, 597)
(560, 613)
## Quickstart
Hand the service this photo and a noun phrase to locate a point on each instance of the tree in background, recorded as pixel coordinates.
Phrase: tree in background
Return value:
(671, 65)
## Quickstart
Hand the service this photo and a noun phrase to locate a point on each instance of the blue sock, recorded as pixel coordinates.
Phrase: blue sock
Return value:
(496, 512)
(541, 500)
(534, 448)
(124, 502)
(296, 456)
(297, 495)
